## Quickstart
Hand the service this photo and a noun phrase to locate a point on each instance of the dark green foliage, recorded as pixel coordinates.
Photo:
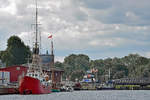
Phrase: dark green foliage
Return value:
(16, 53)
(133, 65)
(75, 66)
(59, 65)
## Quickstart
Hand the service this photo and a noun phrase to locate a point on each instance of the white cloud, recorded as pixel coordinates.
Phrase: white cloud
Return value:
(146, 54)
(78, 25)
(58, 58)
(11, 8)
(105, 42)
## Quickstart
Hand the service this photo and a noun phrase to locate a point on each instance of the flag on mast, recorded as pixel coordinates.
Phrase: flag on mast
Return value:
(50, 36)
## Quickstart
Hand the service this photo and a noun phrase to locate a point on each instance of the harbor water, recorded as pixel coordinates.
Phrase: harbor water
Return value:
(85, 95)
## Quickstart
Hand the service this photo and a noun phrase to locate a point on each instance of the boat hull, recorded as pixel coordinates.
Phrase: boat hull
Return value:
(29, 85)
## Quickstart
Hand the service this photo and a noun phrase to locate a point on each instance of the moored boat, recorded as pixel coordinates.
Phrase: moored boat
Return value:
(32, 85)
(35, 81)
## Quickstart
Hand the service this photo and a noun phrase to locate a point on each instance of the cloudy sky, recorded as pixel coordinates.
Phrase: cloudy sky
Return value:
(98, 28)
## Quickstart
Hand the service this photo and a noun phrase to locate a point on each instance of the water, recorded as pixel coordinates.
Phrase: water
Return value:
(85, 95)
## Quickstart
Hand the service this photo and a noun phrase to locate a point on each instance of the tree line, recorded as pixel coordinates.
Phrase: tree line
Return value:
(132, 65)
(76, 65)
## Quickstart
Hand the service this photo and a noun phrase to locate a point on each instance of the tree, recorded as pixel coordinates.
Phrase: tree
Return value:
(16, 53)
(59, 65)
(133, 65)
(76, 65)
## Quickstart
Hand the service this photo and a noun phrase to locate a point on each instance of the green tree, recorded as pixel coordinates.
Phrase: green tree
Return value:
(16, 53)
(132, 65)
(76, 65)
(58, 65)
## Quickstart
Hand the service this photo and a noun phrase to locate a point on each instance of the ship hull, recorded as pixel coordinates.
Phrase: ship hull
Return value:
(29, 85)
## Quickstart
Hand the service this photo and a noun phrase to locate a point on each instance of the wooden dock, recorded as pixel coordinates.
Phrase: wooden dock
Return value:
(8, 89)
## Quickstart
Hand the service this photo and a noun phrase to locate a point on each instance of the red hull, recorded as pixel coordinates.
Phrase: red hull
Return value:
(29, 85)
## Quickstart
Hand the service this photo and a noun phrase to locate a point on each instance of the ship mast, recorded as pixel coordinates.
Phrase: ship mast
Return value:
(36, 61)
(36, 30)
(36, 45)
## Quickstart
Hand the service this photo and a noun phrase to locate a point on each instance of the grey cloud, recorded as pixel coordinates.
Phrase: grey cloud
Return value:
(97, 4)
(22, 9)
(77, 23)
(4, 3)
(114, 12)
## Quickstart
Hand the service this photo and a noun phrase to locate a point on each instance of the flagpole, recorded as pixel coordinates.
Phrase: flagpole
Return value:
(52, 63)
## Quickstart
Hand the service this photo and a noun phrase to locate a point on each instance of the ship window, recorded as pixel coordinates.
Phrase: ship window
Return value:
(29, 74)
(32, 74)
(36, 75)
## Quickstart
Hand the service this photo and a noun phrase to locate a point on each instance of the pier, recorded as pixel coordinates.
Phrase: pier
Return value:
(132, 81)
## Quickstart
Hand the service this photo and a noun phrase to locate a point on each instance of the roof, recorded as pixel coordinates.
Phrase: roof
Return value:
(55, 69)
(11, 67)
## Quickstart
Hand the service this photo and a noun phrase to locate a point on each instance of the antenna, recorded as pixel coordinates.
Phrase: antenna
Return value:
(36, 24)
(40, 39)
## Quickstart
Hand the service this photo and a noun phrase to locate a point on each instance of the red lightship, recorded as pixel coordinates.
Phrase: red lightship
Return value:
(35, 81)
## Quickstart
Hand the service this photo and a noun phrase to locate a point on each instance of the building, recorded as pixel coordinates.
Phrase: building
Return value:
(15, 72)
(46, 60)
(48, 66)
